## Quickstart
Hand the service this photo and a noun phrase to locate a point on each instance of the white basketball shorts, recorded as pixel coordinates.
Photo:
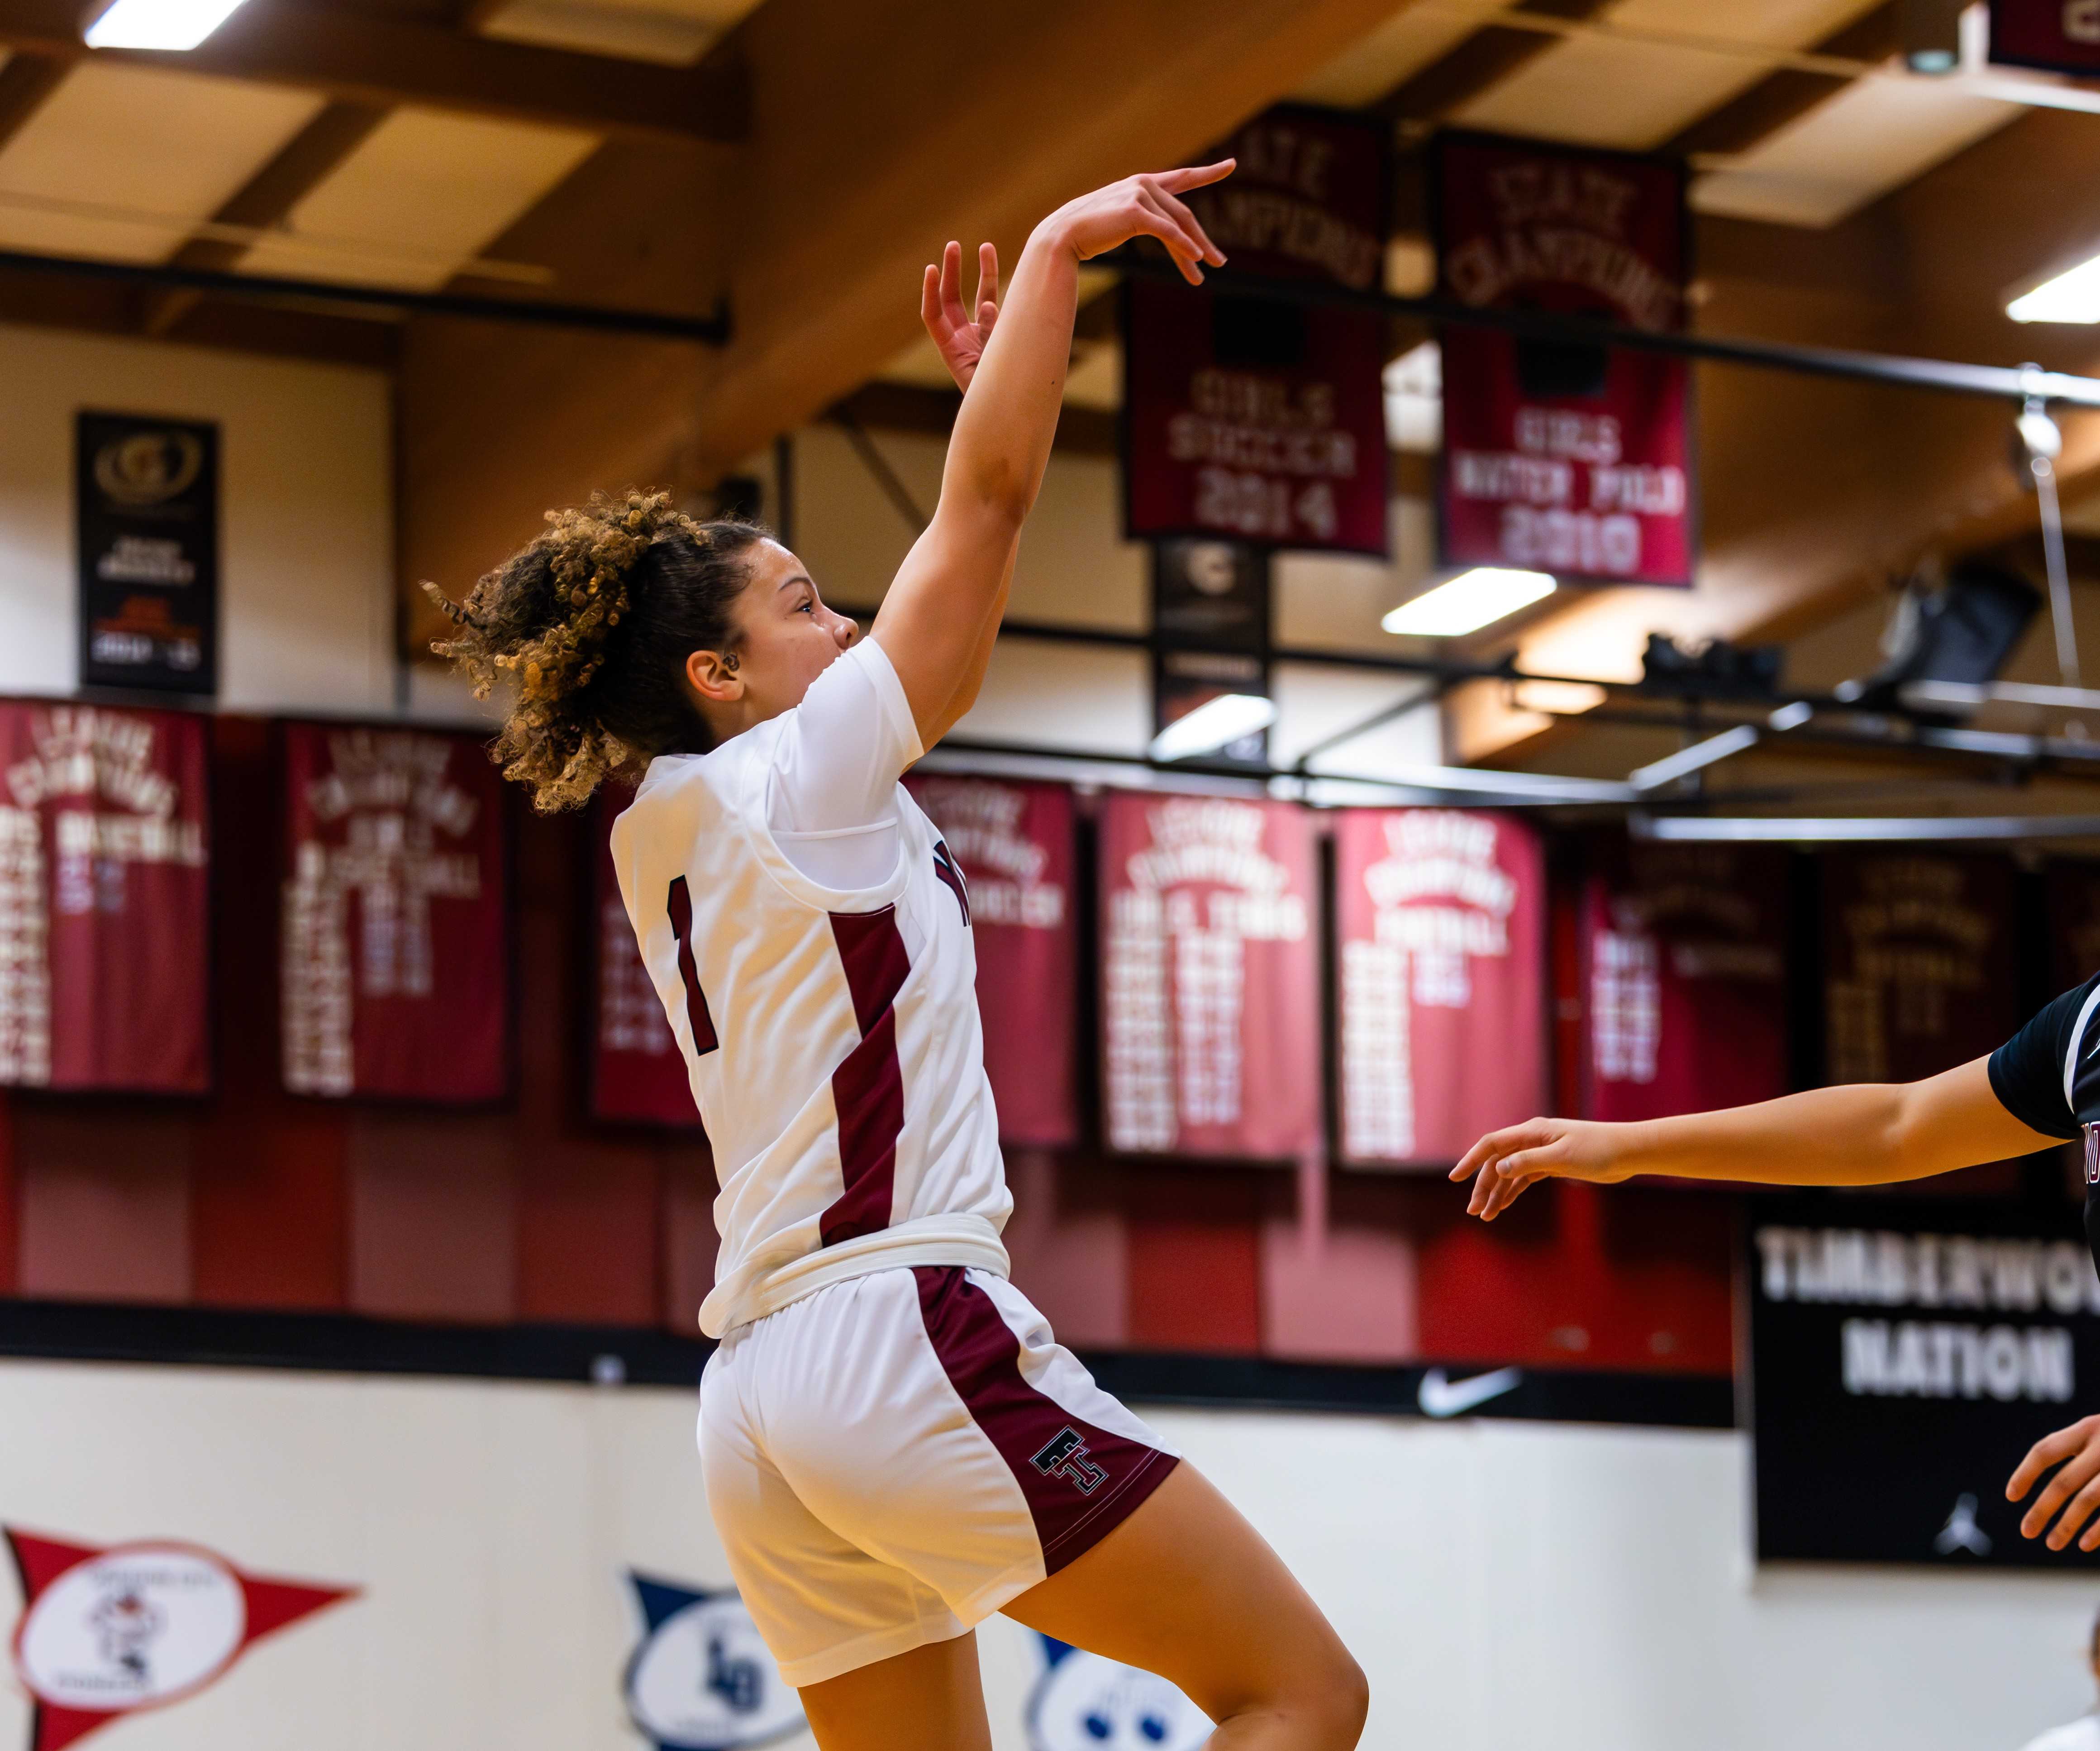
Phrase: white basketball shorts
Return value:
(890, 1460)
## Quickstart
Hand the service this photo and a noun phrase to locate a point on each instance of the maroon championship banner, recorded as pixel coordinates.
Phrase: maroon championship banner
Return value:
(1683, 960)
(394, 921)
(1252, 419)
(1014, 843)
(1920, 969)
(1210, 977)
(105, 914)
(1440, 917)
(637, 1073)
(2057, 35)
(1559, 456)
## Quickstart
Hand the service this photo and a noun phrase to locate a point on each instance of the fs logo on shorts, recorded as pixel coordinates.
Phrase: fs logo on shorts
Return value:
(108, 1630)
(1064, 1455)
(1084, 1703)
(702, 1680)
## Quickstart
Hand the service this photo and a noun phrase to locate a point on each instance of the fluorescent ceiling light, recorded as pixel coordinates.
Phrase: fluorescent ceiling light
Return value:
(1213, 725)
(159, 24)
(1468, 602)
(2073, 296)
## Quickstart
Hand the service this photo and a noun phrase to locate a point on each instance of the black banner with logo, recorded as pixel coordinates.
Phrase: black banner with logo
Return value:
(1211, 633)
(1903, 1355)
(147, 494)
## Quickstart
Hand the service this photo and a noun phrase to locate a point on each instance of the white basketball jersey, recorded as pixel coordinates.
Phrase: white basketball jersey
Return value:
(831, 1035)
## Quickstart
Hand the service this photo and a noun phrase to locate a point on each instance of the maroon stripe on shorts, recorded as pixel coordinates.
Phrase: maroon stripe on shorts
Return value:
(1080, 1481)
(868, 1088)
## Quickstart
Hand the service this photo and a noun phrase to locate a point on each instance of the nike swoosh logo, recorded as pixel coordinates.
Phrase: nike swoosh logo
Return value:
(1440, 1397)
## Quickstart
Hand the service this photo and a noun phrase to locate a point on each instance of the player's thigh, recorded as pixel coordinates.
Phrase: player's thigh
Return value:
(1187, 1589)
(931, 1699)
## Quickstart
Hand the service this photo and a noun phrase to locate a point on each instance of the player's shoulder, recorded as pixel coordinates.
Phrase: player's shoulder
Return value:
(2081, 1735)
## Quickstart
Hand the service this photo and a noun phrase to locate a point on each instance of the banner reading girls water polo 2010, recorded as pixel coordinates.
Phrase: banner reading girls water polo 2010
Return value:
(1210, 977)
(1565, 456)
(1440, 916)
(638, 1073)
(396, 917)
(1014, 843)
(105, 916)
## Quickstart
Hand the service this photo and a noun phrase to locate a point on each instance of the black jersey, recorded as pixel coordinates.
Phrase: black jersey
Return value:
(2048, 1077)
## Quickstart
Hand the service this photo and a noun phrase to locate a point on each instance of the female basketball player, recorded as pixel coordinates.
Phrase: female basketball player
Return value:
(2041, 1087)
(894, 1445)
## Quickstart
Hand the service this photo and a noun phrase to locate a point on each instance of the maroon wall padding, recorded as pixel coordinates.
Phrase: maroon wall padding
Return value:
(104, 1198)
(1194, 1251)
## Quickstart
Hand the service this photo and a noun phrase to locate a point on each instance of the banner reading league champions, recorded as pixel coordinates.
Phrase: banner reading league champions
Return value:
(396, 917)
(105, 918)
(1014, 843)
(1563, 456)
(1251, 419)
(1210, 977)
(1440, 917)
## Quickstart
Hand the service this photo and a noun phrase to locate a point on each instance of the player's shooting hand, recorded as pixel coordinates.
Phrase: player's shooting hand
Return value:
(960, 336)
(1502, 1164)
(2075, 1451)
(1150, 205)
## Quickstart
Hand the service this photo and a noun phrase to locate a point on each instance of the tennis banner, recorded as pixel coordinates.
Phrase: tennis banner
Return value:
(1682, 960)
(105, 904)
(1441, 920)
(1013, 842)
(396, 917)
(1564, 456)
(638, 1074)
(1210, 977)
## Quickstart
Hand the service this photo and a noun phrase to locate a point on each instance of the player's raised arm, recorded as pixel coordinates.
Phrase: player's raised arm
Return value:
(934, 619)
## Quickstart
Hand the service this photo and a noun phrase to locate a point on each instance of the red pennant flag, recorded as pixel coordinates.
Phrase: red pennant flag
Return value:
(108, 1630)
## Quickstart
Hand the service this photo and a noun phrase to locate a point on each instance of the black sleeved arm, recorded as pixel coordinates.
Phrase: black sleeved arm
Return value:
(2027, 1071)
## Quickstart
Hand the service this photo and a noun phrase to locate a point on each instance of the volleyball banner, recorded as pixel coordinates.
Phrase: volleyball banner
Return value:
(1013, 842)
(637, 1073)
(394, 925)
(1684, 978)
(1563, 456)
(1210, 977)
(1252, 418)
(1441, 917)
(1921, 970)
(105, 903)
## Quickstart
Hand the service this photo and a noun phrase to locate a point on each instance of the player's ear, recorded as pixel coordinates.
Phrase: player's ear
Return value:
(713, 675)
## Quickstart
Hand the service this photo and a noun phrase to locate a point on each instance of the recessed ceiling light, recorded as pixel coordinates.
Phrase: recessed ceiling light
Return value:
(1213, 724)
(158, 24)
(2073, 296)
(1468, 602)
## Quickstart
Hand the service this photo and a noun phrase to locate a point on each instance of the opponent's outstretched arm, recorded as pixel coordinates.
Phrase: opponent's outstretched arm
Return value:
(933, 622)
(1864, 1134)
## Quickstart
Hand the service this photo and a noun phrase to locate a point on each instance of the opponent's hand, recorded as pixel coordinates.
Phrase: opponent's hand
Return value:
(1504, 1162)
(960, 338)
(1143, 206)
(2077, 1483)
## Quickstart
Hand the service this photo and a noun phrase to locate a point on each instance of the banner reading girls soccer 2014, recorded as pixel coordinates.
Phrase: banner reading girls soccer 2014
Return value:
(1014, 844)
(105, 910)
(1564, 456)
(1210, 977)
(395, 917)
(1440, 917)
(1252, 419)
(637, 1073)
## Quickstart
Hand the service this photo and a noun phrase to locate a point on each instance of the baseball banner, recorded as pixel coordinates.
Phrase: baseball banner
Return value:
(1013, 842)
(1210, 977)
(1564, 456)
(395, 927)
(1439, 917)
(105, 899)
(1684, 975)
(1252, 419)
(638, 1075)
(1920, 969)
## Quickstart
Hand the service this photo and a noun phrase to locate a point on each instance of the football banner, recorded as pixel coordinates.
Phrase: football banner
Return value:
(395, 927)
(1563, 456)
(1250, 418)
(637, 1073)
(1210, 977)
(1684, 973)
(105, 904)
(1440, 916)
(1013, 841)
(1920, 969)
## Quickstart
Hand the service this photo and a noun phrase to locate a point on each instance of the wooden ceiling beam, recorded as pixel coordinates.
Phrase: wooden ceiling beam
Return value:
(1757, 113)
(369, 59)
(25, 81)
(1485, 58)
